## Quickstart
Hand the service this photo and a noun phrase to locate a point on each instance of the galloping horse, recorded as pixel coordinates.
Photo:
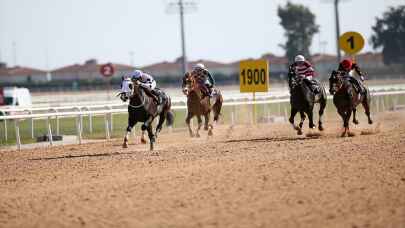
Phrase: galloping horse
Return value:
(198, 105)
(142, 108)
(302, 100)
(346, 99)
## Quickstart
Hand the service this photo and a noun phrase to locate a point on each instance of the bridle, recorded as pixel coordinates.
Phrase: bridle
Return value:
(130, 94)
(336, 82)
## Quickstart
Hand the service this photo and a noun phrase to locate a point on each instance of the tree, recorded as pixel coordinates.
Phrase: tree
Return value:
(389, 33)
(299, 24)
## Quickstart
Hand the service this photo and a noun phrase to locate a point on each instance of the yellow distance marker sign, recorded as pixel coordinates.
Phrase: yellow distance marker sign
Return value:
(351, 42)
(253, 76)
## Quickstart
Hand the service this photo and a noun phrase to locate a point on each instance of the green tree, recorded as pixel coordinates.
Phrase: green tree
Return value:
(389, 33)
(299, 24)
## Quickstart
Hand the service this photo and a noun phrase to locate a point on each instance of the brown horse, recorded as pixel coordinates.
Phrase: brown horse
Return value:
(199, 105)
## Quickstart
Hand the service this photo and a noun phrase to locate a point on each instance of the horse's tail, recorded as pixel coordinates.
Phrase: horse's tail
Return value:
(169, 118)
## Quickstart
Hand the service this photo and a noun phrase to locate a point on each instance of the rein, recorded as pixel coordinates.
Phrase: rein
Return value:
(140, 105)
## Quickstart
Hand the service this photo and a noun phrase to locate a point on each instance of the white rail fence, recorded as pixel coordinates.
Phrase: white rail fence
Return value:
(108, 111)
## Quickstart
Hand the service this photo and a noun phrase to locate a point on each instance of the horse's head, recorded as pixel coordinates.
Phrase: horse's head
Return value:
(192, 84)
(335, 82)
(295, 81)
(129, 89)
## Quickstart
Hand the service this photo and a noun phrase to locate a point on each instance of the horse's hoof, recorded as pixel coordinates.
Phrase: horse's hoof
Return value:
(197, 135)
(210, 133)
(356, 122)
(320, 128)
(124, 145)
(299, 132)
(143, 141)
(351, 134)
(370, 122)
(143, 127)
(151, 147)
(205, 128)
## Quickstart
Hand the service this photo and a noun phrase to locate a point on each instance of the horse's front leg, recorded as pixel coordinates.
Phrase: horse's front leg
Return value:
(197, 134)
(355, 121)
(292, 116)
(131, 124)
(151, 137)
(188, 120)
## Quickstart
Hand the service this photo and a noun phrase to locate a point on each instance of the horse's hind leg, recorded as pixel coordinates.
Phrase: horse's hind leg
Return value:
(162, 118)
(197, 134)
(321, 111)
(131, 124)
(188, 119)
(151, 137)
(366, 106)
(310, 114)
(355, 121)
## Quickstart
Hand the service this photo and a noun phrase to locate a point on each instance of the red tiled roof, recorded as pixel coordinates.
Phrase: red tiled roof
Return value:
(323, 58)
(20, 71)
(90, 67)
(172, 66)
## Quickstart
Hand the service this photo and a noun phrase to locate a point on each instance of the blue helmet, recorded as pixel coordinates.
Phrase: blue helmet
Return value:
(137, 74)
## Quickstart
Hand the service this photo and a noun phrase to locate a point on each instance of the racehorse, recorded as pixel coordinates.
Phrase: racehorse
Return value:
(346, 99)
(199, 105)
(302, 100)
(142, 108)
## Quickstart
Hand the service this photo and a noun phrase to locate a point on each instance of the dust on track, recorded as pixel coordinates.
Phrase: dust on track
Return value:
(262, 176)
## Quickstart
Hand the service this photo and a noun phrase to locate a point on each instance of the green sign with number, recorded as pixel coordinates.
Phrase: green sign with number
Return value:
(253, 76)
(351, 42)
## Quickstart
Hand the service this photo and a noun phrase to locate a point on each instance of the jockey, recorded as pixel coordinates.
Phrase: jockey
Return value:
(201, 71)
(147, 82)
(346, 67)
(303, 68)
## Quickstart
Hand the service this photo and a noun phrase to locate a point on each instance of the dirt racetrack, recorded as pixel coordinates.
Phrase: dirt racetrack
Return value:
(262, 176)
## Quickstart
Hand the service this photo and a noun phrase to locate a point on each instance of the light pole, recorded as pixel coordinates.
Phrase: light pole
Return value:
(336, 4)
(182, 7)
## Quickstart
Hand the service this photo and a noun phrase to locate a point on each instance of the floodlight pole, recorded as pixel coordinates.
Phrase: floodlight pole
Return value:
(336, 3)
(183, 40)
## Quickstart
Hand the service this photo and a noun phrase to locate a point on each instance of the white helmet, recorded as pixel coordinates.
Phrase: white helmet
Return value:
(199, 66)
(299, 58)
(136, 74)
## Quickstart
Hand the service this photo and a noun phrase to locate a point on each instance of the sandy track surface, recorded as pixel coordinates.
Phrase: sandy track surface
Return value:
(263, 176)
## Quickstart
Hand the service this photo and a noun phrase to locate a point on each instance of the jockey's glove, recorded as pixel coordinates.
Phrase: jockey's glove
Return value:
(362, 78)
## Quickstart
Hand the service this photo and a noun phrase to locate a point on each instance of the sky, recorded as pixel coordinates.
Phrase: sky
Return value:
(48, 34)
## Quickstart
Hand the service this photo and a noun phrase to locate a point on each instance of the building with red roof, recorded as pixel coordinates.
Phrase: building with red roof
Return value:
(20, 74)
(88, 71)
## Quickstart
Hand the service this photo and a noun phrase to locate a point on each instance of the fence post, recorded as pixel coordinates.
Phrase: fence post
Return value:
(79, 128)
(232, 118)
(90, 123)
(57, 123)
(107, 131)
(49, 127)
(5, 130)
(32, 124)
(17, 133)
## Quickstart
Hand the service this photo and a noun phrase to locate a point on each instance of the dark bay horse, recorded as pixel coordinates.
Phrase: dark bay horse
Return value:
(302, 100)
(346, 99)
(142, 108)
(198, 105)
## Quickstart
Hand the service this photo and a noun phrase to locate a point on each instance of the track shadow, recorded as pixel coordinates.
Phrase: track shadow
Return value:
(79, 156)
(271, 139)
